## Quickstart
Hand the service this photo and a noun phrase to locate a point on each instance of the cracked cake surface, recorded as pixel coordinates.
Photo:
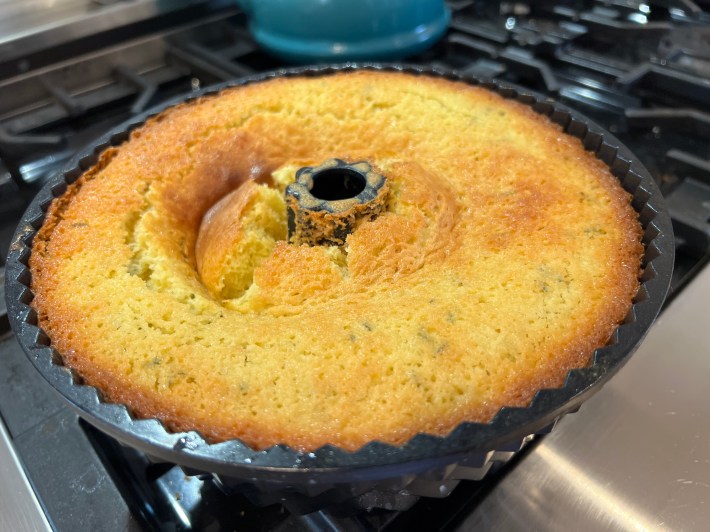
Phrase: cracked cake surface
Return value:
(505, 255)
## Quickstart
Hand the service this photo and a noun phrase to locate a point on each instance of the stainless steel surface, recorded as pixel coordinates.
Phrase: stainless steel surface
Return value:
(19, 509)
(3, 305)
(34, 25)
(637, 455)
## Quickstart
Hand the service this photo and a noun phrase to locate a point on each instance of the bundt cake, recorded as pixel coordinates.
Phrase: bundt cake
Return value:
(503, 256)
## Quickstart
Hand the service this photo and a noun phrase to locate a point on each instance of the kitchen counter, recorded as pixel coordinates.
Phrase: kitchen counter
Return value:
(19, 508)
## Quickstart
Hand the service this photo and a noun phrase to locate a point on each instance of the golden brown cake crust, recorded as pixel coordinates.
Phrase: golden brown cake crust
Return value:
(506, 255)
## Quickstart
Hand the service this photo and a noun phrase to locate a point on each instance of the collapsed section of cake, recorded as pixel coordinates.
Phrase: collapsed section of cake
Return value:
(236, 234)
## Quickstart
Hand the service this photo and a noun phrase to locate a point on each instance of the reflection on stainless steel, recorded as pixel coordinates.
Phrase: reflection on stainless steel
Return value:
(19, 508)
(637, 455)
(3, 305)
(30, 26)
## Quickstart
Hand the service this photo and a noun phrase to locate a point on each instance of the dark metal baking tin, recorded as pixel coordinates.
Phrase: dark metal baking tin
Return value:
(468, 450)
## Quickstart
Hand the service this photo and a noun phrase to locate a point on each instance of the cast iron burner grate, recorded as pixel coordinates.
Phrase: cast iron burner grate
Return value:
(161, 494)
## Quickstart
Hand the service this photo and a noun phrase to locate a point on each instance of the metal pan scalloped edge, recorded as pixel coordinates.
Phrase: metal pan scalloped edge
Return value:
(466, 452)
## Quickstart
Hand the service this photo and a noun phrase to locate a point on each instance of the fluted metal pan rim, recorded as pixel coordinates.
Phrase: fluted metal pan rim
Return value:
(375, 460)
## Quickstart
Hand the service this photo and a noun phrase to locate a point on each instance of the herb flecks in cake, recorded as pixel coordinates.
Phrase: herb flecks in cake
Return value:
(506, 254)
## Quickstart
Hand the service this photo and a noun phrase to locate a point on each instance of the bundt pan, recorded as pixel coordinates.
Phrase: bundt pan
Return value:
(377, 475)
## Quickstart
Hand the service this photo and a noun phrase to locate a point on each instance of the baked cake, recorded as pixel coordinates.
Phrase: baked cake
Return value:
(505, 255)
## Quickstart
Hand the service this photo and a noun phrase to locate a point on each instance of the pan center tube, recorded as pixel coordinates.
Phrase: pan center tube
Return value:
(326, 203)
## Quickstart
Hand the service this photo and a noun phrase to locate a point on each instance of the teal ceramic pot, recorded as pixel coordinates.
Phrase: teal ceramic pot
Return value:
(306, 31)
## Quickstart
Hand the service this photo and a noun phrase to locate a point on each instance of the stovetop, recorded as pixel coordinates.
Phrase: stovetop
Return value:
(641, 69)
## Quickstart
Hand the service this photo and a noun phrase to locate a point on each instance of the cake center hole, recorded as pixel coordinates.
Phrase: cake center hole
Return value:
(337, 184)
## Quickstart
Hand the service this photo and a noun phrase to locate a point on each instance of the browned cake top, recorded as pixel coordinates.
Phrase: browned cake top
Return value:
(505, 256)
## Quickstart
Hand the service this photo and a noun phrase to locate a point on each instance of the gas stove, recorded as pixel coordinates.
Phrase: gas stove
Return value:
(636, 454)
